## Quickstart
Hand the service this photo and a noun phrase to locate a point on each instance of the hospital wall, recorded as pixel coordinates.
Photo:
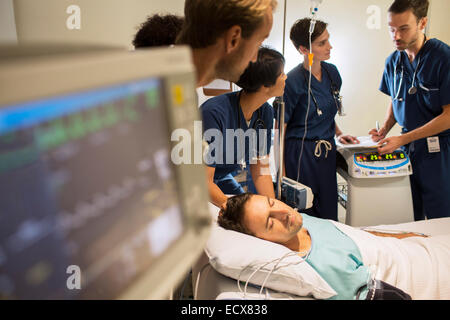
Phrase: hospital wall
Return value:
(8, 32)
(358, 29)
(104, 22)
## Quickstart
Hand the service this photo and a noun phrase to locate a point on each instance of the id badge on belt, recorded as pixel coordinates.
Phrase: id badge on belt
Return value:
(433, 144)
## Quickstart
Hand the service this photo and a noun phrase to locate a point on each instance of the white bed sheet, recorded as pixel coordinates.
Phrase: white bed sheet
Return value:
(416, 265)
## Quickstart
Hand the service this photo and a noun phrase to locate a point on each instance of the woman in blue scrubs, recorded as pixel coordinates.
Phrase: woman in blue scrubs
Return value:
(310, 149)
(238, 128)
(417, 78)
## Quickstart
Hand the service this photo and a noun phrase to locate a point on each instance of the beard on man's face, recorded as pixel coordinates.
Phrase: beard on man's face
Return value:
(231, 67)
(403, 45)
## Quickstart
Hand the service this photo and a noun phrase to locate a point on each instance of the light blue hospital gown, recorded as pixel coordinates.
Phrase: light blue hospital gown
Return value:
(336, 258)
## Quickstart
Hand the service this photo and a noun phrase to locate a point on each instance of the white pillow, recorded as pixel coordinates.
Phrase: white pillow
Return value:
(231, 252)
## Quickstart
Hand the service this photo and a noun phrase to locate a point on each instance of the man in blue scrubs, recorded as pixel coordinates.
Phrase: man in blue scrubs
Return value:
(310, 149)
(417, 78)
(238, 127)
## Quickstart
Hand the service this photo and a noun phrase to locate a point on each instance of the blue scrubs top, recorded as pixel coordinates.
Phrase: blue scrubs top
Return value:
(432, 82)
(319, 173)
(296, 103)
(221, 114)
(430, 181)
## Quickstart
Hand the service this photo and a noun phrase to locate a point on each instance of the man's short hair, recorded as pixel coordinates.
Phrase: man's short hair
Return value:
(418, 7)
(158, 30)
(232, 218)
(207, 20)
(264, 72)
(300, 32)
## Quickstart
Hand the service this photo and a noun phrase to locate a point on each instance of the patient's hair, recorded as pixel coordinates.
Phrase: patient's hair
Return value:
(300, 32)
(264, 72)
(158, 30)
(418, 7)
(232, 217)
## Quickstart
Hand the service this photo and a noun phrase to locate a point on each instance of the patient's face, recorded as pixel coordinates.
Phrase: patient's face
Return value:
(271, 219)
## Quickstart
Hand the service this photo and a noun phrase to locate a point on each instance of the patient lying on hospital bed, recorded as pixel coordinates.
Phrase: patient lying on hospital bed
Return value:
(348, 259)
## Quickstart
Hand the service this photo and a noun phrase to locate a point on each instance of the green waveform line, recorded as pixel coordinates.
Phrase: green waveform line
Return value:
(152, 98)
(60, 131)
(18, 158)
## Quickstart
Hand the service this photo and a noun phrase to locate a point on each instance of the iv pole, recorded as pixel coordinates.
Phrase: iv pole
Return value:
(281, 117)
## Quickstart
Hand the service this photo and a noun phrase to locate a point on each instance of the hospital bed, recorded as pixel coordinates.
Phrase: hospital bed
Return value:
(209, 284)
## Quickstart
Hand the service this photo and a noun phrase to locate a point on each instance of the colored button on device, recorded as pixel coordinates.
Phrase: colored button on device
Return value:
(178, 95)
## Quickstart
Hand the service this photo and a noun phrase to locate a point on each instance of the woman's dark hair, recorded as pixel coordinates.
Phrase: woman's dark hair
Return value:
(264, 72)
(232, 217)
(300, 32)
(158, 31)
(418, 7)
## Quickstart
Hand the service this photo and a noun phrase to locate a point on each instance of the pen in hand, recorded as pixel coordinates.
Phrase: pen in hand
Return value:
(377, 124)
(375, 133)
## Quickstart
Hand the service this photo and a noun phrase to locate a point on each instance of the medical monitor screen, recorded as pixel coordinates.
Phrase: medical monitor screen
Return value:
(87, 192)
(376, 157)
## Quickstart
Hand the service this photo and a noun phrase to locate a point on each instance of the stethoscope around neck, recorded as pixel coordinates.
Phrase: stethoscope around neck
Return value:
(258, 124)
(335, 93)
(413, 89)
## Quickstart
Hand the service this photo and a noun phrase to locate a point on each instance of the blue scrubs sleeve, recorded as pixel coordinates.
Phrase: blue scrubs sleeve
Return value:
(211, 120)
(335, 74)
(444, 88)
(384, 85)
(290, 97)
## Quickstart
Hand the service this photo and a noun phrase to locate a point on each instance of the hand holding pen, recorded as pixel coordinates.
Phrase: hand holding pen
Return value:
(378, 133)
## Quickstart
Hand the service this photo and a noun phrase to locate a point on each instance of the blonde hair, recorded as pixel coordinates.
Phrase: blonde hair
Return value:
(257, 7)
(206, 20)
